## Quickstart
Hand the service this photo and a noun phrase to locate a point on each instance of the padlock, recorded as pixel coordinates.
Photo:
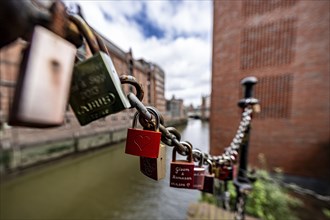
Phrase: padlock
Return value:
(235, 169)
(154, 168)
(43, 85)
(96, 89)
(230, 175)
(208, 186)
(199, 171)
(230, 167)
(222, 172)
(143, 143)
(182, 171)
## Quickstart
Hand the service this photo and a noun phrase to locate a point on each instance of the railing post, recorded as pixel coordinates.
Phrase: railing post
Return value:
(242, 183)
(248, 99)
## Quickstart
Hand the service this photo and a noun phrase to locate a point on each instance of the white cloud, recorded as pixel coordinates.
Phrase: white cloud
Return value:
(187, 17)
(185, 50)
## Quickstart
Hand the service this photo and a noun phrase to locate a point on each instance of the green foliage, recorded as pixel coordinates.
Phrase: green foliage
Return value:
(269, 201)
(326, 212)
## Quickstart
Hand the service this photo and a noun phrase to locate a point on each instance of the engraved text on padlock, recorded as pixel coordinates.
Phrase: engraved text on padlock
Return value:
(96, 89)
(182, 171)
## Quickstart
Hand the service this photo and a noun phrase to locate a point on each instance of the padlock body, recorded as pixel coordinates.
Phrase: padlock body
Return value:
(154, 168)
(43, 85)
(235, 171)
(208, 186)
(230, 175)
(143, 143)
(96, 89)
(182, 174)
(222, 172)
(199, 173)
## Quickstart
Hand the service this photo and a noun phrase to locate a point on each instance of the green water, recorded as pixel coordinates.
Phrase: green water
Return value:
(105, 184)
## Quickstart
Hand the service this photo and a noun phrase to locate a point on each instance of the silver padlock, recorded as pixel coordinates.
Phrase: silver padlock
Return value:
(44, 81)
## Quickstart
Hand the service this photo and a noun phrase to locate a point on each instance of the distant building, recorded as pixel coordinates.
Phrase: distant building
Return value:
(155, 84)
(205, 107)
(175, 108)
(285, 44)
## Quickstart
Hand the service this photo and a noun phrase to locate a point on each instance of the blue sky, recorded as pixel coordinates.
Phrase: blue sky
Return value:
(176, 35)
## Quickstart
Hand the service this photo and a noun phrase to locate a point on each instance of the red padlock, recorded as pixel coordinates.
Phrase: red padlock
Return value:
(235, 169)
(182, 171)
(199, 171)
(208, 186)
(143, 143)
(222, 172)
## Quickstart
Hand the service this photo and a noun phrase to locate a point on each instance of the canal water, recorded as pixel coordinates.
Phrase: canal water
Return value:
(105, 184)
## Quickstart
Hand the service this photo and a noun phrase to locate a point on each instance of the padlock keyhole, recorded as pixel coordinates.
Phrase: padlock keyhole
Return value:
(55, 66)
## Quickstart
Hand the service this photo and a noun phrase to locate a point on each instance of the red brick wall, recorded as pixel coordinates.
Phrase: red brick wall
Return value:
(10, 57)
(286, 45)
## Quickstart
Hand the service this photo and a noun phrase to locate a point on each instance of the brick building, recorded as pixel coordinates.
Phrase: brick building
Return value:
(285, 44)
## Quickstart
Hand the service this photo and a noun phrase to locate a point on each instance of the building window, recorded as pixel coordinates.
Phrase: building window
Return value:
(131, 71)
(268, 45)
(253, 7)
(275, 96)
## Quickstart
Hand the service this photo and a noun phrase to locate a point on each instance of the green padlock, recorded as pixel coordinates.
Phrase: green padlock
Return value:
(96, 89)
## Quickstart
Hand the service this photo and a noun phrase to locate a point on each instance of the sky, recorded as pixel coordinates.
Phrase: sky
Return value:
(176, 35)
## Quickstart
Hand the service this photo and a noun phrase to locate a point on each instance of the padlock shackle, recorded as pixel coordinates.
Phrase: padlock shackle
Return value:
(128, 79)
(182, 150)
(136, 103)
(189, 154)
(199, 156)
(209, 162)
(86, 31)
(145, 122)
(153, 112)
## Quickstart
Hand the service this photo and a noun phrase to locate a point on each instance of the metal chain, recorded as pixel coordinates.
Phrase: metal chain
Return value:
(240, 205)
(230, 154)
(171, 137)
